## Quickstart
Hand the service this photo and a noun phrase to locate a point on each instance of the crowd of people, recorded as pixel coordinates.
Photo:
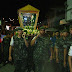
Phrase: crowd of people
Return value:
(41, 53)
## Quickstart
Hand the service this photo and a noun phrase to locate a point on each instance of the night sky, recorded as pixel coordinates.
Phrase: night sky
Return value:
(9, 7)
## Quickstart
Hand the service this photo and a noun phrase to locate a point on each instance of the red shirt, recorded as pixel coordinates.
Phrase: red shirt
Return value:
(0, 40)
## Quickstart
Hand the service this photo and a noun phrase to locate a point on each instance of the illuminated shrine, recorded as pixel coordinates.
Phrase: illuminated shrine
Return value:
(28, 16)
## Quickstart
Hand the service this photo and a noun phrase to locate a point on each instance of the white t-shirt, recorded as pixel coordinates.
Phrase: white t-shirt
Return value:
(12, 41)
(70, 51)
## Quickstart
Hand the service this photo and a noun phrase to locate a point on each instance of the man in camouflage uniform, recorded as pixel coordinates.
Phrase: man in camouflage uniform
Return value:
(41, 52)
(20, 53)
(65, 39)
(55, 39)
(61, 50)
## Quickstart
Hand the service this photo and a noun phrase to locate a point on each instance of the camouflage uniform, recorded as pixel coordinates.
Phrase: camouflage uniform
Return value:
(41, 54)
(20, 54)
(53, 40)
(66, 45)
(30, 58)
(61, 45)
(6, 44)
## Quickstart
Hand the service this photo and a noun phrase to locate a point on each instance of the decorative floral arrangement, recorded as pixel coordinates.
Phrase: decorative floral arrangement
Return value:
(29, 30)
(29, 27)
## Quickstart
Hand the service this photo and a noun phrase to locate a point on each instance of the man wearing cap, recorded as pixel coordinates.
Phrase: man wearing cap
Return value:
(61, 50)
(55, 38)
(66, 49)
(70, 49)
(41, 52)
(20, 53)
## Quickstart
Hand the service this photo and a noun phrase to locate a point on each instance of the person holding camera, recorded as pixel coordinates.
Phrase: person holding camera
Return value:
(20, 51)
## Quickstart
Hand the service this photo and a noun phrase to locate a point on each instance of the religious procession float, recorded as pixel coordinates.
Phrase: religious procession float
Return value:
(28, 18)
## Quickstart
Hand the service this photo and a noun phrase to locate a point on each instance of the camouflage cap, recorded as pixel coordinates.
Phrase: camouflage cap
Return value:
(51, 29)
(61, 31)
(65, 30)
(16, 29)
(56, 30)
(19, 28)
(42, 27)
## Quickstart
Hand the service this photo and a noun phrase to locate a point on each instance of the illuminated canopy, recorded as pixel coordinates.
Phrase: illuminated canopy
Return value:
(29, 8)
(28, 15)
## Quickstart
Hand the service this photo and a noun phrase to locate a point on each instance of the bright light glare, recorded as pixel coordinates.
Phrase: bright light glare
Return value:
(6, 21)
(7, 27)
(25, 18)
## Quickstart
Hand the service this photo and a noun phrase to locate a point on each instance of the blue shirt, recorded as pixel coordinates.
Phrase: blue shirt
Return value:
(53, 39)
(2, 36)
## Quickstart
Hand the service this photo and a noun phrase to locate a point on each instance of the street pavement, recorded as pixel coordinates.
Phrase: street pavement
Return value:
(7, 68)
(52, 67)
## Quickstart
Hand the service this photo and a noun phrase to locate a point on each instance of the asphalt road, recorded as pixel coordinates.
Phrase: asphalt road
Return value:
(51, 67)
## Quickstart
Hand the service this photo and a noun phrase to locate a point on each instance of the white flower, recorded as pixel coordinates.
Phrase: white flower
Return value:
(25, 29)
(30, 26)
(34, 31)
(25, 26)
(28, 30)
(24, 32)
(31, 33)
(38, 31)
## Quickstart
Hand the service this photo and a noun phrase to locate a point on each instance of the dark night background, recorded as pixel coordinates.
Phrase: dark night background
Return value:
(9, 7)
